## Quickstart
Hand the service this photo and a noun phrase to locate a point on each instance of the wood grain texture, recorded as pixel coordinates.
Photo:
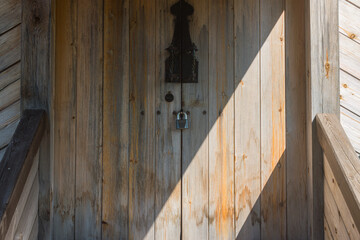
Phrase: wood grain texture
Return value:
(247, 119)
(349, 56)
(322, 91)
(23, 199)
(327, 232)
(36, 85)
(10, 47)
(9, 95)
(349, 92)
(6, 133)
(10, 14)
(10, 75)
(351, 125)
(349, 19)
(35, 229)
(335, 220)
(273, 128)
(17, 162)
(10, 114)
(342, 159)
(116, 120)
(344, 211)
(295, 88)
(221, 120)
(142, 171)
(168, 138)
(89, 79)
(195, 141)
(64, 121)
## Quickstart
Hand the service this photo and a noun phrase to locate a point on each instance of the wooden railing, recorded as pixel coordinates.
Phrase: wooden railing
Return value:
(341, 180)
(19, 186)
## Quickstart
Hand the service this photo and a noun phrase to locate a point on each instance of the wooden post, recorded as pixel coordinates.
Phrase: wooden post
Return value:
(322, 50)
(36, 90)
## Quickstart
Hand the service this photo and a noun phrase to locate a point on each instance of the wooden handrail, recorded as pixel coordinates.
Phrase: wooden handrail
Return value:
(17, 162)
(342, 159)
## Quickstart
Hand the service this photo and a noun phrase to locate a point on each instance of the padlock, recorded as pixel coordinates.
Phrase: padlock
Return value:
(182, 121)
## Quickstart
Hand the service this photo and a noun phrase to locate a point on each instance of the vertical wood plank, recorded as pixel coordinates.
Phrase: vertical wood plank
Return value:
(221, 120)
(195, 141)
(89, 119)
(142, 120)
(116, 120)
(168, 139)
(296, 164)
(322, 94)
(64, 120)
(247, 119)
(273, 165)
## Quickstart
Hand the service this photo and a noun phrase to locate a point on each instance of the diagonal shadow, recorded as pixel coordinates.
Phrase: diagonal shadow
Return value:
(170, 187)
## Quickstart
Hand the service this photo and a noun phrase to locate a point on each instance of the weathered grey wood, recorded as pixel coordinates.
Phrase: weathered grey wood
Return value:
(10, 14)
(247, 119)
(17, 162)
(89, 86)
(334, 219)
(23, 199)
(349, 92)
(64, 121)
(168, 139)
(296, 164)
(195, 141)
(116, 120)
(273, 127)
(349, 19)
(10, 48)
(351, 125)
(2, 153)
(9, 95)
(342, 159)
(349, 56)
(344, 211)
(6, 133)
(10, 114)
(221, 120)
(10, 75)
(142, 120)
(322, 84)
(30, 212)
(35, 229)
(36, 89)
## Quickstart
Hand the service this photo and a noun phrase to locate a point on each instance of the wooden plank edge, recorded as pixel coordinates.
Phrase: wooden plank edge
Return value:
(17, 162)
(347, 189)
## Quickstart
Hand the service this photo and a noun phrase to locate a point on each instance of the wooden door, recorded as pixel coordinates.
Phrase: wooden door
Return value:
(223, 178)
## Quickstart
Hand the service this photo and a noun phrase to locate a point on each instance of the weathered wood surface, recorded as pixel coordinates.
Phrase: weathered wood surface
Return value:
(10, 114)
(168, 150)
(116, 120)
(195, 144)
(10, 75)
(273, 126)
(349, 92)
(355, 2)
(349, 56)
(64, 120)
(351, 125)
(142, 162)
(10, 47)
(23, 199)
(247, 112)
(17, 162)
(10, 14)
(342, 160)
(349, 18)
(221, 119)
(6, 134)
(322, 94)
(10, 95)
(296, 164)
(344, 211)
(327, 232)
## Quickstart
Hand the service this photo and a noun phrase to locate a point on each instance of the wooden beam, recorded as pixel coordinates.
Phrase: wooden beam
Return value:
(322, 95)
(342, 159)
(17, 162)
